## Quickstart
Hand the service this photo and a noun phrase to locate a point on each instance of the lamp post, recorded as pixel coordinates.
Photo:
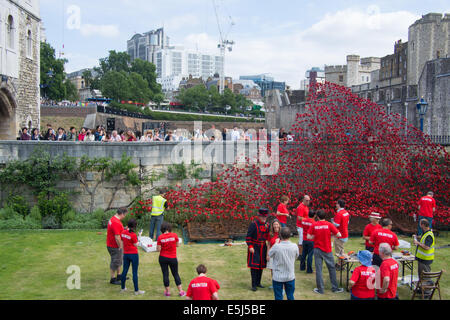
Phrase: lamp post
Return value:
(422, 108)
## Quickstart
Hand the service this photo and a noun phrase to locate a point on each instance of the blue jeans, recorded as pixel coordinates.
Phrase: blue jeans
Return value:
(289, 287)
(156, 221)
(283, 225)
(419, 228)
(132, 259)
(352, 297)
(307, 256)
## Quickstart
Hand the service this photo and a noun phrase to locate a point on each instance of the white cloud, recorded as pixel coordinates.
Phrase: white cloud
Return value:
(287, 56)
(106, 31)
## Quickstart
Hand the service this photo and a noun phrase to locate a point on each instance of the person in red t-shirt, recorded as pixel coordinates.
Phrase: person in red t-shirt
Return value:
(308, 246)
(427, 208)
(341, 221)
(131, 256)
(202, 287)
(114, 244)
(167, 247)
(374, 224)
(383, 235)
(388, 274)
(302, 213)
(362, 282)
(282, 211)
(273, 238)
(320, 232)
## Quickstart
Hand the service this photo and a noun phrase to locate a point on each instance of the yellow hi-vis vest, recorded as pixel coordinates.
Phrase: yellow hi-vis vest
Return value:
(158, 205)
(423, 254)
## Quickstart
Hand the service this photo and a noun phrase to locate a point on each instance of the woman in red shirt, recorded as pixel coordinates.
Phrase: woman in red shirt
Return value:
(362, 282)
(273, 239)
(130, 256)
(167, 247)
(282, 211)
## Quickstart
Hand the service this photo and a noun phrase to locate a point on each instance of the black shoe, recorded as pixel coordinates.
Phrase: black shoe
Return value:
(254, 289)
(119, 277)
(115, 281)
(260, 286)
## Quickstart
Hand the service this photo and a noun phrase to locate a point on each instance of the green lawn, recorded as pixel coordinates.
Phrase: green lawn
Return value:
(33, 266)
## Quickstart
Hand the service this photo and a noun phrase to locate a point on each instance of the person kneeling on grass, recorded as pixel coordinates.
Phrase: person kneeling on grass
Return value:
(167, 246)
(202, 287)
(131, 256)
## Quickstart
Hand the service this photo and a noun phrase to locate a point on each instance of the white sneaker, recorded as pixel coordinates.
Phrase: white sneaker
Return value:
(139, 293)
(123, 290)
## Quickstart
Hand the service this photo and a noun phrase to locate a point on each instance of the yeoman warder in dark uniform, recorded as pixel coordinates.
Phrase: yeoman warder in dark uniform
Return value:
(257, 235)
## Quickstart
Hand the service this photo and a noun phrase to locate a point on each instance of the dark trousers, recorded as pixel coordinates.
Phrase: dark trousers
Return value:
(352, 297)
(132, 259)
(307, 256)
(165, 264)
(256, 277)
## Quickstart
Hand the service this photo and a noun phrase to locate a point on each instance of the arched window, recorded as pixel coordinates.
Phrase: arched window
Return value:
(10, 29)
(29, 44)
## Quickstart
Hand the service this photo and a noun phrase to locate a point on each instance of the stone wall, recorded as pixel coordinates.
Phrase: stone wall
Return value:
(156, 158)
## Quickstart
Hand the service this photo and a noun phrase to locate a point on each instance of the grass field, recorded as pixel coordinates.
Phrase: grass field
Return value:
(33, 266)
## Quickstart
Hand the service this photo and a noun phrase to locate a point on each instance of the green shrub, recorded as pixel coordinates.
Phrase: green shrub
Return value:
(81, 221)
(8, 213)
(35, 214)
(57, 206)
(103, 217)
(68, 217)
(19, 224)
(50, 222)
(19, 204)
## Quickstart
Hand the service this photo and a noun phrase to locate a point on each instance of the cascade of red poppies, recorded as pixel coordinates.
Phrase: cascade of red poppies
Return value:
(345, 147)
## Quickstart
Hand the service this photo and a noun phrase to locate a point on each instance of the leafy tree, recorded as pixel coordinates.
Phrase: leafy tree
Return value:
(53, 84)
(139, 90)
(116, 61)
(88, 79)
(116, 85)
(148, 71)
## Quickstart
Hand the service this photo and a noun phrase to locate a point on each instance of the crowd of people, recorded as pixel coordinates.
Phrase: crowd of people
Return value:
(100, 134)
(269, 246)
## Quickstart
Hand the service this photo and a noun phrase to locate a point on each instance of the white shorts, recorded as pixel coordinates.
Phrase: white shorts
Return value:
(300, 236)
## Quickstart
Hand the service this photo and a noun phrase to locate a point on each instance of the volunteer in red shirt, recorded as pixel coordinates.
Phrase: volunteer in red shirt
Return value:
(114, 245)
(321, 232)
(341, 221)
(383, 235)
(202, 287)
(388, 274)
(302, 213)
(362, 282)
(131, 255)
(308, 245)
(283, 212)
(370, 228)
(427, 208)
(167, 247)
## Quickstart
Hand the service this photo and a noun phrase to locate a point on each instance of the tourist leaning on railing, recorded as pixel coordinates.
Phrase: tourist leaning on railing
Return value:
(24, 135)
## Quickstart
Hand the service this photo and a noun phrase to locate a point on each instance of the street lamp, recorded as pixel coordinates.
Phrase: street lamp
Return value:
(422, 108)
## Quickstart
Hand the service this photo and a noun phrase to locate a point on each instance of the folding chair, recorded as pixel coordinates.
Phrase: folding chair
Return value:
(428, 281)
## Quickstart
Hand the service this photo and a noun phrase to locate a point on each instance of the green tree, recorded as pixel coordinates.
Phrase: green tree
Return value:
(116, 85)
(116, 61)
(87, 77)
(53, 84)
(196, 98)
(229, 99)
(148, 71)
(140, 92)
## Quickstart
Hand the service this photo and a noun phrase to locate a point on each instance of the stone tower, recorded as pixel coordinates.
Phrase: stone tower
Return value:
(353, 70)
(428, 40)
(19, 66)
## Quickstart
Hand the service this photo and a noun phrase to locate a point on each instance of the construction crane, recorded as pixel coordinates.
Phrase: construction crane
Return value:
(223, 45)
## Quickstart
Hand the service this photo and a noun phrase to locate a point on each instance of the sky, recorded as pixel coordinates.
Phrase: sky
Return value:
(284, 38)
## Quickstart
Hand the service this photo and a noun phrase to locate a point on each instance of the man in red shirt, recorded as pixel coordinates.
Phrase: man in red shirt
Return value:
(302, 213)
(114, 244)
(389, 274)
(370, 228)
(283, 212)
(320, 232)
(383, 235)
(427, 208)
(341, 221)
(308, 246)
(202, 287)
